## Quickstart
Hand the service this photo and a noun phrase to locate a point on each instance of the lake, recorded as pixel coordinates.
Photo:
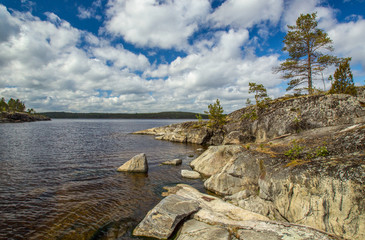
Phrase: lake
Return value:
(58, 178)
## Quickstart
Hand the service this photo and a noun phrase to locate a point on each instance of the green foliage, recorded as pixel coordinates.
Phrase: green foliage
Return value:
(343, 79)
(303, 43)
(248, 102)
(215, 114)
(3, 106)
(322, 151)
(251, 114)
(200, 121)
(261, 96)
(12, 105)
(295, 151)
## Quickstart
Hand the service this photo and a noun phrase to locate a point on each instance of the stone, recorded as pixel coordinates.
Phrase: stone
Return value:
(215, 158)
(137, 164)
(263, 230)
(190, 174)
(195, 230)
(240, 173)
(278, 119)
(175, 162)
(214, 210)
(162, 220)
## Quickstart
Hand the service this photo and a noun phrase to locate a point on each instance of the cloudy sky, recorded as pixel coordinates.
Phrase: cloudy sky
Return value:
(158, 55)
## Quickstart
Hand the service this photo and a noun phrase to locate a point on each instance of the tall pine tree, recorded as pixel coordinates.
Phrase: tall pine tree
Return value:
(304, 42)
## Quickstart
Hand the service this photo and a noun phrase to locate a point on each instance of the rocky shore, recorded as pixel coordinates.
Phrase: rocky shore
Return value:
(19, 117)
(295, 172)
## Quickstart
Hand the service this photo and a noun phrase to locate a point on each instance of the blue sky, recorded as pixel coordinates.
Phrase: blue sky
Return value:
(159, 55)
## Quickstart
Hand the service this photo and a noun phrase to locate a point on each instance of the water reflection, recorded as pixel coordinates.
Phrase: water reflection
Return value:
(58, 179)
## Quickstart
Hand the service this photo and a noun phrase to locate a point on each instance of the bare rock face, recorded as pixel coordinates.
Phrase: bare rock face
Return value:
(214, 159)
(138, 164)
(190, 174)
(213, 218)
(161, 221)
(320, 195)
(279, 118)
(195, 230)
(294, 115)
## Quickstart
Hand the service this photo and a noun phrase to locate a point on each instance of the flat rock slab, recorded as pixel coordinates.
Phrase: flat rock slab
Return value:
(260, 230)
(174, 162)
(137, 164)
(195, 230)
(162, 220)
(190, 174)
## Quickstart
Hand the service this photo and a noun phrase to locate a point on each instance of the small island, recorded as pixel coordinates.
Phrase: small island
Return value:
(13, 111)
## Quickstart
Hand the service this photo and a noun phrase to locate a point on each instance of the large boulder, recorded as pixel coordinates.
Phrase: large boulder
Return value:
(138, 164)
(240, 172)
(162, 220)
(214, 159)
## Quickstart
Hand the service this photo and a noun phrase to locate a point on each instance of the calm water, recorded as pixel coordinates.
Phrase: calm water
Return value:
(58, 179)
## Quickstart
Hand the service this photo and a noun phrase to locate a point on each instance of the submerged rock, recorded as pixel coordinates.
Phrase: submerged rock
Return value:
(174, 162)
(190, 174)
(137, 164)
(161, 221)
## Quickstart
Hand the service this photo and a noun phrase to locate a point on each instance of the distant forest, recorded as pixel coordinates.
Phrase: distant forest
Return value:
(161, 115)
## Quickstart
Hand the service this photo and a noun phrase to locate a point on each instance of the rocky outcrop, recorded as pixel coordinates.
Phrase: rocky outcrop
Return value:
(18, 117)
(181, 132)
(161, 221)
(217, 219)
(323, 192)
(174, 162)
(195, 230)
(282, 116)
(190, 174)
(212, 161)
(137, 164)
(300, 161)
(295, 115)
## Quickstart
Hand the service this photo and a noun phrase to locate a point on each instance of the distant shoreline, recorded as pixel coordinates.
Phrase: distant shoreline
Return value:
(161, 115)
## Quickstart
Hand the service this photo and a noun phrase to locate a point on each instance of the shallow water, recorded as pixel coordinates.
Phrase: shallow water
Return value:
(58, 179)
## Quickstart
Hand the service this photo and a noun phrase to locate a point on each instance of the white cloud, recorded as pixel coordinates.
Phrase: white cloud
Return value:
(244, 14)
(42, 61)
(152, 23)
(348, 40)
(215, 70)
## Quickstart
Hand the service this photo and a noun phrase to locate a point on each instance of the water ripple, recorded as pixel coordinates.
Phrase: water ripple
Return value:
(58, 179)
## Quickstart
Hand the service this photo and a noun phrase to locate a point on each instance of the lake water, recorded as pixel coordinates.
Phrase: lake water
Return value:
(58, 179)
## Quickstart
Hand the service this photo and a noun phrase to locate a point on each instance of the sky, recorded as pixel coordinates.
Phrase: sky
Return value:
(137, 56)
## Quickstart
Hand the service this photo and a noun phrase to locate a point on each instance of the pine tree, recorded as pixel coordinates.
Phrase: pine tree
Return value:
(3, 105)
(261, 96)
(343, 79)
(215, 114)
(304, 42)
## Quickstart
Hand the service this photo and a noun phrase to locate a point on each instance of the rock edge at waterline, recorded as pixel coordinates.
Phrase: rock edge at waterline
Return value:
(137, 164)
(205, 216)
